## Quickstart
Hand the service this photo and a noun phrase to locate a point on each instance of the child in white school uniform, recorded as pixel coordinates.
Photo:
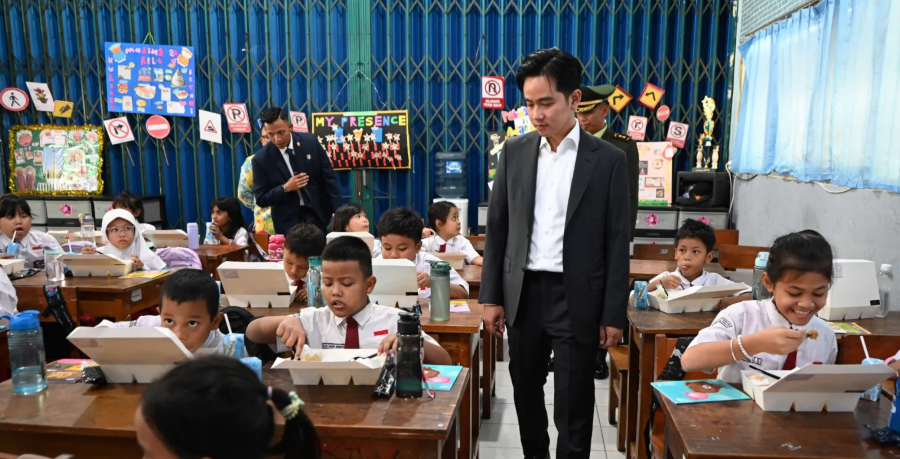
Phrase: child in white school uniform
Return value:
(135, 205)
(443, 216)
(228, 225)
(401, 237)
(694, 243)
(124, 240)
(350, 321)
(15, 226)
(782, 333)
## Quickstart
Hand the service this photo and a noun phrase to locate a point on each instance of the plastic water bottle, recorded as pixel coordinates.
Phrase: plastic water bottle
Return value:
(759, 291)
(440, 291)
(885, 281)
(314, 297)
(193, 236)
(409, 356)
(52, 266)
(87, 229)
(26, 353)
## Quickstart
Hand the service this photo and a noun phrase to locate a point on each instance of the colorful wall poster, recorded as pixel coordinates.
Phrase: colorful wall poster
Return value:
(150, 79)
(56, 160)
(378, 140)
(655, 174)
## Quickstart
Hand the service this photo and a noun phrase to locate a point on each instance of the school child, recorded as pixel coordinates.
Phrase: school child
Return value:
(8, 297)
(216, 407)
(350, 321)
(443, 216)
(135, 205)
(694, 244)
(302, 242)
(350, 218)
(228, 226)
(124, 240)
(401, 237)
(781, 333)
(189, 306)
(15, 226)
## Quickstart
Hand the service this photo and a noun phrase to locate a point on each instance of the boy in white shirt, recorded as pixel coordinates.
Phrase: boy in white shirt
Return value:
(443, 216)
(401, 237)
(350, 321)
(694, 244)
(189, 306)
(779, 334)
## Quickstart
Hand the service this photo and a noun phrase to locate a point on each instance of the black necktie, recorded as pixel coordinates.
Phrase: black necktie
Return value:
(295, 161)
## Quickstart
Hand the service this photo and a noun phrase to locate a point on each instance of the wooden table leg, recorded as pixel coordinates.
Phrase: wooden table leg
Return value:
(630, 390)
(647, 343)
(487, 379)
(461, 347)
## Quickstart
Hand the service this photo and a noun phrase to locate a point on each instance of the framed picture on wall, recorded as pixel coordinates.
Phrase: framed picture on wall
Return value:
(56, 160)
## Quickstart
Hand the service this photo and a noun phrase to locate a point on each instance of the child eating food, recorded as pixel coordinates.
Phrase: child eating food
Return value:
(124, 241)
(15, 227)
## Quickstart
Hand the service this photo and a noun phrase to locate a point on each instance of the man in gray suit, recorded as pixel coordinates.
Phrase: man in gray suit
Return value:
(556, 255)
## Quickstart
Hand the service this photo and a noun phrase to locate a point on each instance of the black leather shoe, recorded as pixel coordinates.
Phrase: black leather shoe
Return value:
(601, 370)
(547, 456)
(550, 365)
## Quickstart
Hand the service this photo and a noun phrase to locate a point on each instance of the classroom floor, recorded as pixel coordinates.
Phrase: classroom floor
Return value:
(499, 438)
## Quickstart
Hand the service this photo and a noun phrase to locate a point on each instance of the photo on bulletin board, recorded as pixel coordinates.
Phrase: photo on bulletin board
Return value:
(655, 174)
(56, 160)
(364, 140)
(150, 79)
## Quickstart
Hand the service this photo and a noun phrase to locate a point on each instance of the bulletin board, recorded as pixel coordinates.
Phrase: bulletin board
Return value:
(150, 79)
(377, 140)
(655, 173)
(49, 160)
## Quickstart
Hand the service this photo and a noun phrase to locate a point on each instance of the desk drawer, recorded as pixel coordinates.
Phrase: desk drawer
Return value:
(663, 219)
(55, 210)
(718, 220)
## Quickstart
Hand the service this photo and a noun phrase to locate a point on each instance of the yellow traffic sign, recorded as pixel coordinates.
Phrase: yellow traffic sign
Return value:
(651, 96)
(619, 99)
(63, 109)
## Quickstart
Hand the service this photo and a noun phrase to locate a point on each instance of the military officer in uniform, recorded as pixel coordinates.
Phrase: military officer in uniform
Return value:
(592, 113)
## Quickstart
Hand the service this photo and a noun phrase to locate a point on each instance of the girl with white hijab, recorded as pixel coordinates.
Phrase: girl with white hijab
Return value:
(123, 238)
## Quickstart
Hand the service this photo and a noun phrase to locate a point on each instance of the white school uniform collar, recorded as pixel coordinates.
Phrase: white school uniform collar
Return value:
(775, 317)
(360, 317)
(685, 279)
(437, 240)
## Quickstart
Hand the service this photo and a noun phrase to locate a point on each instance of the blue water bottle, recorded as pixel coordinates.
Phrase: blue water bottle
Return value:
(26, 353)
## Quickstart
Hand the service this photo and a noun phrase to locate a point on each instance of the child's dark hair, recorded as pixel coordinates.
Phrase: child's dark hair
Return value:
(439, 211)
(305, 240)
(232, 207)
(216, 406)
(11, 206)
(133, 203)
(800, 252)
(692, 229)
(343, 215)
(190, 285)
(350, 248)
(402, 222)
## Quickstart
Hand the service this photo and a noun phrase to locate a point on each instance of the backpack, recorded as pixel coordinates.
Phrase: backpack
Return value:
(240, 319)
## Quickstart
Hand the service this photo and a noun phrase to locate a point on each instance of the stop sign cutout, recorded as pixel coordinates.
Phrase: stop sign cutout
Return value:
(158, 127)
(662, 113)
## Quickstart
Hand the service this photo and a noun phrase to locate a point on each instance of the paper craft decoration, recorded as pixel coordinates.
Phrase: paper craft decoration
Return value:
(333, 367)
(699, 391)
(237, 118)
(128, 355)
(166, 238)
(619, 99)
(96, 265)
(150, 79)
(694, 299)
(119, 130)
(13, 99)
(834, 388)
(63, 109)
(368, 238)
(56, 160)
(11, 265)
(210, 126)
(637, 127)
(378, 139)
(651, 96)
(298, 122)
(441, 377)
(397, 285)
(853, 293)
(40, 95)
(655, 174)
(256, 285)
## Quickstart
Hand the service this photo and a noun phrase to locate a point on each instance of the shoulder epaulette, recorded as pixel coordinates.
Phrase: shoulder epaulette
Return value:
(621, 137)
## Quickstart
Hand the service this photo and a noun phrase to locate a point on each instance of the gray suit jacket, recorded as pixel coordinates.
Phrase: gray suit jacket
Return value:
(596, 240)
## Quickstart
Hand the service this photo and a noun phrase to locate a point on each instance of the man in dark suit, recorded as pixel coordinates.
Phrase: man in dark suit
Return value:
(292, 174)
(556, 255)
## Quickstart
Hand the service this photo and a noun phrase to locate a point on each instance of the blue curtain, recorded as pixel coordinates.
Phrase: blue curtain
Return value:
(819, 98)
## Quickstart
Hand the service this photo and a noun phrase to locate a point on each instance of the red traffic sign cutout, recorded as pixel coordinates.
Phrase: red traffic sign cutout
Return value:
(158, 127)
(492, 93)
(637, 127)
(662, 113)
(677, 134)
(14, 99)
(237, 118)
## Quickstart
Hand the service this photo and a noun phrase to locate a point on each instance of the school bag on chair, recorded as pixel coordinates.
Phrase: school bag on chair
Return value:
(240, 319)
(177, 257)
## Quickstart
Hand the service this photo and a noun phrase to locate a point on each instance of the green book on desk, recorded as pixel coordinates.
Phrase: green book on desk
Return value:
(699, 391)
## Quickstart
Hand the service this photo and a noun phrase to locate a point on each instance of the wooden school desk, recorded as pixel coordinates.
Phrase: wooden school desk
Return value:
(90, 422)
(472, 275)
(211, 256)
(725, 430)
(102, 296)
(652, 268)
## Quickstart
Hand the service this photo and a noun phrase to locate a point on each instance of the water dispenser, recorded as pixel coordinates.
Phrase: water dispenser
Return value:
(450, 174)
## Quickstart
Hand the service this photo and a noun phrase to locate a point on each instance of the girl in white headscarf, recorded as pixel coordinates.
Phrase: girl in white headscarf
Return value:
(123, 238)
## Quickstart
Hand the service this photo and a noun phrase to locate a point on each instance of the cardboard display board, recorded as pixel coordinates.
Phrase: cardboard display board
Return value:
(256, 285)
(655, 173)
(813, 387)
(396, 283)
(378, 139)
(49, 160)
(127, 355)
(150, 79)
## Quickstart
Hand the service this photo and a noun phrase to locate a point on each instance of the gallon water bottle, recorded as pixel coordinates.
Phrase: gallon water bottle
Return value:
(87, 229)
(885, 281)
(193, 236)
(440, 291)
(758, 290)
(26, 353)
(314, 297)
